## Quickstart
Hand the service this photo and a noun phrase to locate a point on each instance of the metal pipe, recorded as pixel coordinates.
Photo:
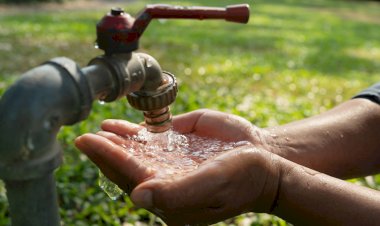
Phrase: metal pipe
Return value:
(31, 113)
(100, 80)
(47, 97)
(33, 202)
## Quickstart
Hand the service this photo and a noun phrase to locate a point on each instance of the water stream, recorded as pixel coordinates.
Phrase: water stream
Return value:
(169, 154)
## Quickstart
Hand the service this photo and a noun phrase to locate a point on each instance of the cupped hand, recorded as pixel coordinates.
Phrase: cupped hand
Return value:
(237, 181)
(241, 180)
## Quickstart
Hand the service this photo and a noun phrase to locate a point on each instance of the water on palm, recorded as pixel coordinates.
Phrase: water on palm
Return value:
(169, 154)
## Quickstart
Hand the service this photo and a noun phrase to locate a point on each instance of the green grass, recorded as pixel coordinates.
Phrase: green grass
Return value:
(294, 59)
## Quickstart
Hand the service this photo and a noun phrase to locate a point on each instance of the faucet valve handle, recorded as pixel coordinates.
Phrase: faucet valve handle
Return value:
(233, 13)
(119, 32)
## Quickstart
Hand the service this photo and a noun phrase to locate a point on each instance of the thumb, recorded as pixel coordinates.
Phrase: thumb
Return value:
(142, 197)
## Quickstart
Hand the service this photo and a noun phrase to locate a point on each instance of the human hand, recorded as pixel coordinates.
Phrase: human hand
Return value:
(101, 147)
(237, 181)
(106, 150)
(241, 180)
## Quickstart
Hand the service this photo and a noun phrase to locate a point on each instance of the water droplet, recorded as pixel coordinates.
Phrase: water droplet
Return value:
(101, 102)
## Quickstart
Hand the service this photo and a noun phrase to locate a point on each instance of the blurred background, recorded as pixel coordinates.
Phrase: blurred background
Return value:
(294, 59)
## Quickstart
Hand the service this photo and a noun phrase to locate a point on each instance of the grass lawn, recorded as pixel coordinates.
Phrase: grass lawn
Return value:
(294, 59)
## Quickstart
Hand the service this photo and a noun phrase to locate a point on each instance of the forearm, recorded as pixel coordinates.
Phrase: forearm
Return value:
(308, 197)
(342, 142)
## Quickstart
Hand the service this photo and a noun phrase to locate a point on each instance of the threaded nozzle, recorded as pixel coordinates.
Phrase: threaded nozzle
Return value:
(158, 121)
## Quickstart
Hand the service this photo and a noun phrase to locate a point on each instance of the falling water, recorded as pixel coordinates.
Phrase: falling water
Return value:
(111, 189)
(169, 154)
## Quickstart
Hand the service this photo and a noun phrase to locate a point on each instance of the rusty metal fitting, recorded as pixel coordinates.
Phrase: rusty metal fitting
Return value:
(158, 121)
(160, 98)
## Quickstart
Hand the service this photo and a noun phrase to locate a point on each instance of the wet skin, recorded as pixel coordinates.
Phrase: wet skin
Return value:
(254, 177)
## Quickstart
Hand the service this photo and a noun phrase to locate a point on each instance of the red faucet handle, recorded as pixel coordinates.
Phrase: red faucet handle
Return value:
(118, 32)
(233, 13)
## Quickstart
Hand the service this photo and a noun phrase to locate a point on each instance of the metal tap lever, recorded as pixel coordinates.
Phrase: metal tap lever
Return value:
(119, 32)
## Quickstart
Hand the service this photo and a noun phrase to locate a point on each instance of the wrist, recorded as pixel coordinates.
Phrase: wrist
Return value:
(290, 184)
(275, 189)
(287, 173)
(271, 166)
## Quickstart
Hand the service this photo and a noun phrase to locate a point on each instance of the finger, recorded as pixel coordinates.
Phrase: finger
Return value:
(185, 123)
(111, 158)
(222, 126)
(121, 127)
(117, 139)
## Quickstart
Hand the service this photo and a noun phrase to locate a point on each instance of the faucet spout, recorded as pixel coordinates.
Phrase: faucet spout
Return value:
(139, 77)
(154, 100)
(158, 121)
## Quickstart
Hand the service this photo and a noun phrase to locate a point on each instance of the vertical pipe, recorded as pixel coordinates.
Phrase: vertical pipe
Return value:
(33, 202)
(31, 113)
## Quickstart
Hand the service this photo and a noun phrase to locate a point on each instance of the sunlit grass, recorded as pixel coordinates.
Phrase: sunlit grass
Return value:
(294, 59)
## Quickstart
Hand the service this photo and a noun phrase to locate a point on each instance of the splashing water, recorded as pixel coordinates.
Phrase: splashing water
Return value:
(170, 154)
(112, 190)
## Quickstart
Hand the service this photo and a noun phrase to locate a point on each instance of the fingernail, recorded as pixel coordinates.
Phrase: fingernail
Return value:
(143, 198)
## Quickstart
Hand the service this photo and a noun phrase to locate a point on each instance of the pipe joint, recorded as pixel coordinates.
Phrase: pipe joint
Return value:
(81, 83)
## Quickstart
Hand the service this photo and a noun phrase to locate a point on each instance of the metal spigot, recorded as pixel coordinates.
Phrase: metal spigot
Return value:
(119, 33)
(155, 104)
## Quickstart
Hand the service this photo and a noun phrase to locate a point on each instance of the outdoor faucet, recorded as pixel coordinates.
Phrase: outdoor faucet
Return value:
(59, 93)
(118, 34)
